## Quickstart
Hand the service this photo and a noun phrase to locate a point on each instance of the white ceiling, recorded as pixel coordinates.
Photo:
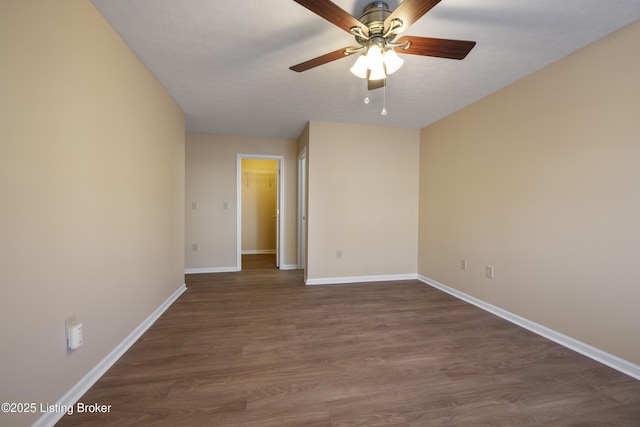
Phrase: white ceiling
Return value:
(227, 63)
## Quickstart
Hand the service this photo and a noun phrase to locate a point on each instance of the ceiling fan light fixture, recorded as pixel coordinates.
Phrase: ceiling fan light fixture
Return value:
(359, 69)
(375, 60)
(377, 72)
(374, 57)
(392, 61)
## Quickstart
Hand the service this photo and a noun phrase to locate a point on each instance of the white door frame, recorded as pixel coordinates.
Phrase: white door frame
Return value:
(302, 209)
(279, 208)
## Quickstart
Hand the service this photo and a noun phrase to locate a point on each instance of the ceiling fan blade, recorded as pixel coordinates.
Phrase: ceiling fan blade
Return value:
(440, 48)
(409, 11)
(333, 13)
(328, 57)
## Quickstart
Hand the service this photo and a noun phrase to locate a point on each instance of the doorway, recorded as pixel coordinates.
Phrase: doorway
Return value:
(259, 195)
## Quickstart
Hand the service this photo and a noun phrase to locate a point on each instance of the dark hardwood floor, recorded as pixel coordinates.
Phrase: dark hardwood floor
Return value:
(258, 348)
(259, 262)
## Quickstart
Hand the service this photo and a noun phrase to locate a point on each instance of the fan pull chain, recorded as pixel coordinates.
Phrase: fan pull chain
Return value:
(384, 99)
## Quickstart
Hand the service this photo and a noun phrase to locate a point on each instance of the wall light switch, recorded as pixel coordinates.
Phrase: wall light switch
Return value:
(194, 205)
(489, 271)
(225, 206)
(463, 264)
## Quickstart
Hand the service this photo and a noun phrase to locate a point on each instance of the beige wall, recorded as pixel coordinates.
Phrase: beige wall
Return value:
(363, 201)
(541, 181)
(92, 190)
(211, 169)
(259, 205)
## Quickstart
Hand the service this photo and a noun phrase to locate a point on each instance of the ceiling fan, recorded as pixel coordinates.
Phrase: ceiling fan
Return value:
(375, 32)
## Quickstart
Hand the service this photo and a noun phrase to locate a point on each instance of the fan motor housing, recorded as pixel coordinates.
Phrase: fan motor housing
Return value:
(373, 16)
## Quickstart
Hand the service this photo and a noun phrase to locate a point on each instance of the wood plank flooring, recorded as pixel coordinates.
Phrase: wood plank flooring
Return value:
(258, 348)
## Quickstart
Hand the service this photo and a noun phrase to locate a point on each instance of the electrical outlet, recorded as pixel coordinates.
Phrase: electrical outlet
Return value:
(463, 264)
(488, 270)
(194, 205)
(339, 254)
(194, 247)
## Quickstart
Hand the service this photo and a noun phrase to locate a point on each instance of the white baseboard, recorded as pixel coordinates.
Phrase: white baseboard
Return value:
(211, 270)
(359, 279)
(81, 387)
(258, 251)
(594, 353)
(289, 267)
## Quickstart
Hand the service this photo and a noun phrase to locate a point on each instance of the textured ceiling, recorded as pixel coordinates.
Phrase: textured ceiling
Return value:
(227, 63)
